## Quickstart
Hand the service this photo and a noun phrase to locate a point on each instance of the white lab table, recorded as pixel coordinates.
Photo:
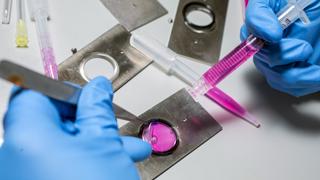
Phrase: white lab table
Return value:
(287, 145)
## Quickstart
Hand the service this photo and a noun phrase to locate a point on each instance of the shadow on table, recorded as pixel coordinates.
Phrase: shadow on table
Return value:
(283, 105)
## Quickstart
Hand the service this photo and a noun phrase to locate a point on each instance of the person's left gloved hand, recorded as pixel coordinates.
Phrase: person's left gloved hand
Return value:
(290, 60)
(47, 140)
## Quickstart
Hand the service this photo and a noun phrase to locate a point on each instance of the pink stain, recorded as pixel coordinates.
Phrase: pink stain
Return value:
(161, 136)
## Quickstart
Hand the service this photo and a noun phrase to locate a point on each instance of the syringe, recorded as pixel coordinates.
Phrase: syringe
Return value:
(39, 13)
(289, 14)
(172, 64)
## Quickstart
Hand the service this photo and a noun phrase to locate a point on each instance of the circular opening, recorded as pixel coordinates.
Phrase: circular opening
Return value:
(199, 17)
(99, 65)
(161, 135)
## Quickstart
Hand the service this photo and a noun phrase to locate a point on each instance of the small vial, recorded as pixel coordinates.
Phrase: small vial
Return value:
(6, 14)
(161, 136)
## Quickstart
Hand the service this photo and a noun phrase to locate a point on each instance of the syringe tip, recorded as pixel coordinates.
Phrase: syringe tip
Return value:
(252, 120)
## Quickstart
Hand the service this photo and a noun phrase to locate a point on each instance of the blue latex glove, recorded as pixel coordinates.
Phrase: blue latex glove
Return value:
(290, 60)
(46, 140)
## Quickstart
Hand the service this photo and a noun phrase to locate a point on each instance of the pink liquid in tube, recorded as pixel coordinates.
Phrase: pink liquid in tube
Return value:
(161, 136)
(50, 67)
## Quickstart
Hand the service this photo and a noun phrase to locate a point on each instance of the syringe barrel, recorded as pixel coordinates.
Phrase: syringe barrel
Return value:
(303, 3)
(233, 60)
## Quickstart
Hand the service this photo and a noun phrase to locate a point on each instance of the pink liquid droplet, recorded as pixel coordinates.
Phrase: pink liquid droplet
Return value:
(161, 136)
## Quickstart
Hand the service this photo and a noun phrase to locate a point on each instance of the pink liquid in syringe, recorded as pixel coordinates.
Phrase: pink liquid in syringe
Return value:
(233, 60)
(49, 63)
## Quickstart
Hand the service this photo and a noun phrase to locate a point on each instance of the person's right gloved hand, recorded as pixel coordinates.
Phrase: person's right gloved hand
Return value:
(47, 140)
(290, 60)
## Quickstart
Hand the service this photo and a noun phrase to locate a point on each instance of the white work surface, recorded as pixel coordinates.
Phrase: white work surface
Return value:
(286, 147)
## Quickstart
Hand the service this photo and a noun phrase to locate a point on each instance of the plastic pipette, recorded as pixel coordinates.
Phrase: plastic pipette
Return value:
(39, 13)
(6, 14)
(22, 34)
(172, 63)
(288, 15)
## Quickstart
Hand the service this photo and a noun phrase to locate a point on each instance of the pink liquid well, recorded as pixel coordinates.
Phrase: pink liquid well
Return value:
(161, 136)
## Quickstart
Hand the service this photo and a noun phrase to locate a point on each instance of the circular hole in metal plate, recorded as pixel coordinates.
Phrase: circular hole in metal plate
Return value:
(199, 17)
(99, 64)
(161, 136)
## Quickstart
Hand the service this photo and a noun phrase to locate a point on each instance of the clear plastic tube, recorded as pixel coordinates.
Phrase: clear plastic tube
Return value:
(39, 12)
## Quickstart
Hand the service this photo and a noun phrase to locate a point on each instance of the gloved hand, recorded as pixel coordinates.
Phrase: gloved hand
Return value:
(47, 140)
(291, 59)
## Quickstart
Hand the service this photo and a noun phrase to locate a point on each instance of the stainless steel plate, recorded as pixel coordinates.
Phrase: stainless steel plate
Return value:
(135, 13)
(192, 123)
(199, 42)
(113, 44)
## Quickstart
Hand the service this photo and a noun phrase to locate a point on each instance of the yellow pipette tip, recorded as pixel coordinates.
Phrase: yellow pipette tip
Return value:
(22, 34)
